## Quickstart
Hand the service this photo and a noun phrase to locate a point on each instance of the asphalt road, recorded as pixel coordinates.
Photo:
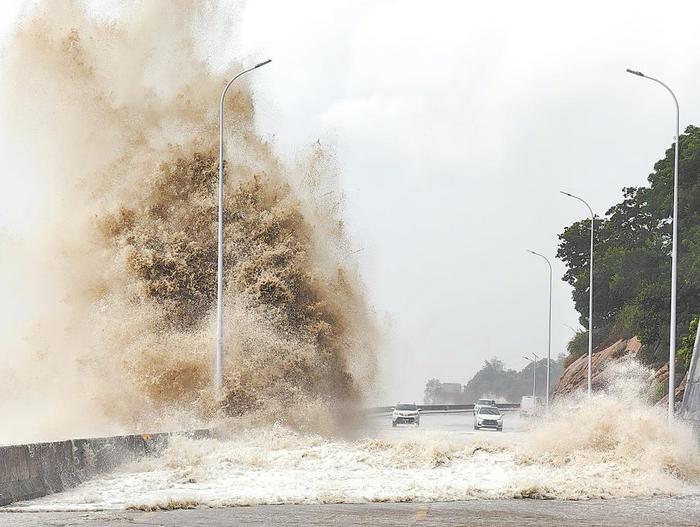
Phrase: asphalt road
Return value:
(611, 513)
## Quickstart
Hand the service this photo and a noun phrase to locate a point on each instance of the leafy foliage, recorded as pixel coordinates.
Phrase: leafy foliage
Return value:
(632, 265)
(576, 347)
(685, 350)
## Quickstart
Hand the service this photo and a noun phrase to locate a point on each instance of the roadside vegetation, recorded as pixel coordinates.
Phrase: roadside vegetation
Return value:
(632, 264)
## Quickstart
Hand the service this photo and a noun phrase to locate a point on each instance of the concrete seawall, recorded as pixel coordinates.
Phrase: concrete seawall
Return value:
(39, 469)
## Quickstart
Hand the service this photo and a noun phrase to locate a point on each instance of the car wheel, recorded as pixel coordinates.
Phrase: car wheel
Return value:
(393, 424)
(476, 427)
(500, 429)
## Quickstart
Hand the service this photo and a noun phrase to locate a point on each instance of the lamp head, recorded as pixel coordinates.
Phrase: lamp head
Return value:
(635, 72)
(262, 63)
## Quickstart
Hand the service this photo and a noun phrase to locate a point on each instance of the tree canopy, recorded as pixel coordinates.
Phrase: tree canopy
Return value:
(632, 263)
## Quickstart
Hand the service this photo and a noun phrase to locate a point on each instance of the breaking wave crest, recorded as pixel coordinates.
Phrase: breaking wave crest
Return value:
(115, 279)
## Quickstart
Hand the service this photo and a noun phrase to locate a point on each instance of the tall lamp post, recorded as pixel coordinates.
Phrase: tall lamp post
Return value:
(549, 329)
(674, 253)
(218, 381)
(534, 372)
(590, 296)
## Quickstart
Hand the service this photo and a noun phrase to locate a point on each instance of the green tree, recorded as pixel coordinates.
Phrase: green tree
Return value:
(632, 256)
(577, 347)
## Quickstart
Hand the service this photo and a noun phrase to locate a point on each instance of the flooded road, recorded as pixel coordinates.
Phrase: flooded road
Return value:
(458, 425)
(443, 460)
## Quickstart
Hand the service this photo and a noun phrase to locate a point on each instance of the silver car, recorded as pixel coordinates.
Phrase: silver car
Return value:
(408, 414)
(488, 417)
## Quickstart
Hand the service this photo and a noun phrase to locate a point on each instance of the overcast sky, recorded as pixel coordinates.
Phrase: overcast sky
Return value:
(455, 125)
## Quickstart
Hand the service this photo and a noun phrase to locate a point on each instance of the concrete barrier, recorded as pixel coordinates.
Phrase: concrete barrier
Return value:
(690, 406)
(39, 469)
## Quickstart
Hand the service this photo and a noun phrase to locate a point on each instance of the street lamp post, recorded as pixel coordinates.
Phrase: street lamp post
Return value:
(534, 376)
(674, 252)
(549, 328)
(534, 372)
(590, 296)
(218, 381)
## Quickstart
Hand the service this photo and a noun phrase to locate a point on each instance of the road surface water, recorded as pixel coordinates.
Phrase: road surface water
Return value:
(444, 460)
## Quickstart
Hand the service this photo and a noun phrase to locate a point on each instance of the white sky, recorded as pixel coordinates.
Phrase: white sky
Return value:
(455, 126)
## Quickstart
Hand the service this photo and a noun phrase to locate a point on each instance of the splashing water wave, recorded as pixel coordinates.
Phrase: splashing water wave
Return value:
(612, 446)
(115, 277)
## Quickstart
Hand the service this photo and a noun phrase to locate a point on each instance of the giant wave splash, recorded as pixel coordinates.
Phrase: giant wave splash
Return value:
(113, 124)
(614, 445)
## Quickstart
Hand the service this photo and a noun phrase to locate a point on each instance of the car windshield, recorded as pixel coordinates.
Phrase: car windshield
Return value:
(409, 407)
(489, 411)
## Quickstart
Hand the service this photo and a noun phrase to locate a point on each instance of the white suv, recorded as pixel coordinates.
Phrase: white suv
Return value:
(488, 417)
(405, 414)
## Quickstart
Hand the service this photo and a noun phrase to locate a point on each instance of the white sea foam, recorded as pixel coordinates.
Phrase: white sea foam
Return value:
(612, 446)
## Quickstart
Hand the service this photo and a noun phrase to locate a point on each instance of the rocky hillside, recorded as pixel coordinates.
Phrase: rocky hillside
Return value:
(633, 275)
(575, 376)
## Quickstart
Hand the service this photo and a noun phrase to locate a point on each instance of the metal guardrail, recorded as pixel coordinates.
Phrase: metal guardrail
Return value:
(441, 408)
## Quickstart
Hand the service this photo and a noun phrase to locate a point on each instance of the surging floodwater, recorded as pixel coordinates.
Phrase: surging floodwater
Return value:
(611, 446)
(111, 120)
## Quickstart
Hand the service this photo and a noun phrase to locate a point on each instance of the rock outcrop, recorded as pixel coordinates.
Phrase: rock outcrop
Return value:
(575, 377)
(661, 379)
